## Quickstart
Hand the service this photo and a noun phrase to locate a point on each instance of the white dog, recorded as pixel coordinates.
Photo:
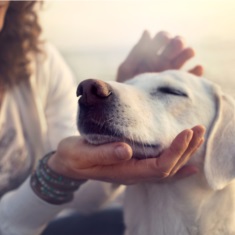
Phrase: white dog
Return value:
(147, 112)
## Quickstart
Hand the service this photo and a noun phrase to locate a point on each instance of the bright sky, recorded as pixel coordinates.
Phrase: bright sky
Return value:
(116, 23)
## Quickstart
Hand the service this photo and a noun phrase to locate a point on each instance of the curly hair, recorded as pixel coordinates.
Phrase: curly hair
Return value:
(18, 38)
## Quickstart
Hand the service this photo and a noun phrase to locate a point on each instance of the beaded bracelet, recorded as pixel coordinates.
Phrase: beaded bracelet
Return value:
(51, 186)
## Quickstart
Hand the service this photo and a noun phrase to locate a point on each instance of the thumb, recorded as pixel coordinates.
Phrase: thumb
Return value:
(105, 154)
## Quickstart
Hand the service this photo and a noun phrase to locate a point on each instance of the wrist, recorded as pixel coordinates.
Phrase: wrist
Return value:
(55, 165)
(60, 165)
(52, 186)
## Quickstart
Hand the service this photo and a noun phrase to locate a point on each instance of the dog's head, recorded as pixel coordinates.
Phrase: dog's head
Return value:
(148, 111)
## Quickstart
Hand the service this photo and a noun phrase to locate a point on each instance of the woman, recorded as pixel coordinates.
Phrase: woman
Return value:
(38, 111)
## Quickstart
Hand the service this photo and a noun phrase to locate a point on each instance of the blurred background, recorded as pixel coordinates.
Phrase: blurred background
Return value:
(95, 36)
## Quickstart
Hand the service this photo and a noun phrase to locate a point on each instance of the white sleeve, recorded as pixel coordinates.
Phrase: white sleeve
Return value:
(21, 211)
(24, 213)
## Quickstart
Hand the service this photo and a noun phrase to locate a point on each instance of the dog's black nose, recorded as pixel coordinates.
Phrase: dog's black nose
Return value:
(93, 91)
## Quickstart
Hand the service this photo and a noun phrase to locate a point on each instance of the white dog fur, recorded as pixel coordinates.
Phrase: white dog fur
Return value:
(152, 109)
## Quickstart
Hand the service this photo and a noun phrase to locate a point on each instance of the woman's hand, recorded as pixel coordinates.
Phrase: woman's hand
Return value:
(156, 54)
(113, 162)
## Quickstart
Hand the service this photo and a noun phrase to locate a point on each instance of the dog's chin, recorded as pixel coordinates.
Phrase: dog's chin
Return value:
(140, 150)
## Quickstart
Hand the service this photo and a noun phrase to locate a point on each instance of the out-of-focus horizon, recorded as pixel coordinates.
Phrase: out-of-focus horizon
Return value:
(96, 35)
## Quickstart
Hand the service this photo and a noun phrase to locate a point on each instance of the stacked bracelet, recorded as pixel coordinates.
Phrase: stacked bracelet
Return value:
(52, 187)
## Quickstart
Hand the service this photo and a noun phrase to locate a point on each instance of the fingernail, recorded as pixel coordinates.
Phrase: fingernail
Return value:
(123, 152)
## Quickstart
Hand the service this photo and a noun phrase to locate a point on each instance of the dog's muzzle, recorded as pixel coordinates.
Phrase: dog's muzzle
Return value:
(96, 107)
(101, 119)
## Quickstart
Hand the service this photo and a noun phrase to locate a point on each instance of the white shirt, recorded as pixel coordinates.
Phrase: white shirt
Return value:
(34, 117)
(43, 111)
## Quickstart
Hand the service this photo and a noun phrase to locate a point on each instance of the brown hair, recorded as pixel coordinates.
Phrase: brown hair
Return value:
(19, 37)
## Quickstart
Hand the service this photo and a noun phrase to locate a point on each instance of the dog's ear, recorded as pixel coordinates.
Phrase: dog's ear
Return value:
(220, 152)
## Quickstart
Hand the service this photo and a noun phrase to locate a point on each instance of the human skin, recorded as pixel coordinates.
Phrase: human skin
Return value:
(114, 162)
(156, 54)
(77, 159)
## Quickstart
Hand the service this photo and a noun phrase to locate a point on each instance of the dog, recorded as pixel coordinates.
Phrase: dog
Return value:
(147, 112)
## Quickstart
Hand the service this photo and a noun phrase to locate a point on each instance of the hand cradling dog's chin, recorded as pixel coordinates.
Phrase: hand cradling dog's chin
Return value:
(140, 152)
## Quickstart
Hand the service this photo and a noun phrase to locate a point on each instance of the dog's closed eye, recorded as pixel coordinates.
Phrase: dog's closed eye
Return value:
(170, 91)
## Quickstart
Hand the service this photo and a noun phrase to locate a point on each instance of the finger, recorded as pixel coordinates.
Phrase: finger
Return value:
(127, 173)
(182, 58)
(153, 61)
(105, 154)
(174, 48)
(198, 133)
(134, 56)
(200, 143)
(144, 54)
(197, 70)
(160, 40)
(134, 170)
(167, 161)
(128, 68)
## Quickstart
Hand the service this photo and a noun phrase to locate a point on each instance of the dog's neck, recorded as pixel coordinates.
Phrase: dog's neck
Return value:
(178, 208)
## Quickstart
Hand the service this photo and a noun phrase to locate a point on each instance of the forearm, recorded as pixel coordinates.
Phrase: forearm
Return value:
(23, 212)
(57, 189)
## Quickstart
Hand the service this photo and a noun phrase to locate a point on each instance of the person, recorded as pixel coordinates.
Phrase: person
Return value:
(38, 109)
